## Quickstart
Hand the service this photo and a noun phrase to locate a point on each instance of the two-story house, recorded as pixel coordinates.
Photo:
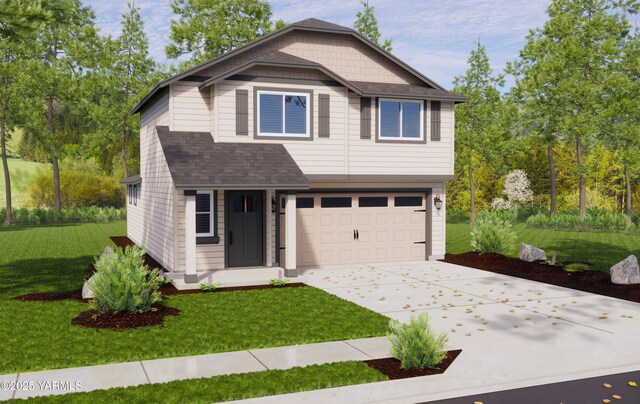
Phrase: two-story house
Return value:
(310, 146)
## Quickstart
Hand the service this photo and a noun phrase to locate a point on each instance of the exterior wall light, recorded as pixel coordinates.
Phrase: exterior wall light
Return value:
(273, 204)
(437, 202)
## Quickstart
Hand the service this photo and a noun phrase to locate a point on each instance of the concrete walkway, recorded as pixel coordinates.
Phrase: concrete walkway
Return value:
(190, 367)
(513, 333)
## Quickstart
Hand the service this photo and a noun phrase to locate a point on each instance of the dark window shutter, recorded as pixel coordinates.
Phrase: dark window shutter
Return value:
(365, 118)
(242, 112)
(435, 121)
(323, 115)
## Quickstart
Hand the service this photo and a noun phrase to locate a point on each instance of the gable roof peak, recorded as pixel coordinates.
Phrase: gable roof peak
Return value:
(314, 23)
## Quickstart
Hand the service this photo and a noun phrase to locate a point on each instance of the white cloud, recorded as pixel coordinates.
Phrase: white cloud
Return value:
(434, 36)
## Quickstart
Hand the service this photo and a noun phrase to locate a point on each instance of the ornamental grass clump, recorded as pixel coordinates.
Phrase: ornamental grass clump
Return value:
(492, 235)
(123, 282)
(416, 344)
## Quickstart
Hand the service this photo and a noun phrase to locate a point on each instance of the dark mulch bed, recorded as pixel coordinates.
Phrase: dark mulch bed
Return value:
(391, 367)
(51, 297)
(592, 281)
(123, 320)
(170, 290)
(124, 241)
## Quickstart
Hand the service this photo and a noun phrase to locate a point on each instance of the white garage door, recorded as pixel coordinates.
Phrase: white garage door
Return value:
(343, 229)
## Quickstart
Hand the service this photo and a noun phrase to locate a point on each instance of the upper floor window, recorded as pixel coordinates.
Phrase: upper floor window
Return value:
(283, 114)
(400, 120)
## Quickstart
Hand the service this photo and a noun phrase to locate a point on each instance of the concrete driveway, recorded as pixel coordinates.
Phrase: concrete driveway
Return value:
(512, 332)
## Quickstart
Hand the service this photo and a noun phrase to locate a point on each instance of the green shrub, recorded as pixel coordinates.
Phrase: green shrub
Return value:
(91, 214)
(123, 282)
(78, 189)
(507, 215)
(492, 235)
(594, 220)
(416, 344)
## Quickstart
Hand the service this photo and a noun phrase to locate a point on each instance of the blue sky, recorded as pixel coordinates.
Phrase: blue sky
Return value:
(435, 37)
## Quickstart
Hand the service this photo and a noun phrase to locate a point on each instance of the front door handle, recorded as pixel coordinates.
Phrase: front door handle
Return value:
(354, 234)
(357, 234)
(230, 238)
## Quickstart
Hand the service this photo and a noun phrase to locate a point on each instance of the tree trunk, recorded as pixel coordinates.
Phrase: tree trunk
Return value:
(472, 192)
(583, 180)
(552, 176)
(123, 150)
(627, 183)
(5, 165)
(57, 205)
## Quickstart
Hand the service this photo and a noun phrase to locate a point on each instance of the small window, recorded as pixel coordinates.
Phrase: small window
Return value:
(400, 120)
(135, 195)
(408, 201)
(373, 201)
(204, 214)
(243, 204)
(335, 202)
(130, 193)
(283, 114)
(304, 203)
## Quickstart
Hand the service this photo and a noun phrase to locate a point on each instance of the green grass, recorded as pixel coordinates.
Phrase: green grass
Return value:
(232, 387)
(53, 258)
(602, 250)
(22, 173)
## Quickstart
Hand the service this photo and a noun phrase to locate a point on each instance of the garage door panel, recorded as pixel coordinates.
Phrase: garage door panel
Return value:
(326, 220)
(383, 233)
(382, 218)
(345, 219)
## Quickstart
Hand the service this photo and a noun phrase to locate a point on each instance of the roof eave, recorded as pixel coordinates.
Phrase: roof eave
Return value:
(315, 66)
(276, 34)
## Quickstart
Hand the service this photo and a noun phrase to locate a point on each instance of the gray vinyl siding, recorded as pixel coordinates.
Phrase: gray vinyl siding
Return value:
(150, 223)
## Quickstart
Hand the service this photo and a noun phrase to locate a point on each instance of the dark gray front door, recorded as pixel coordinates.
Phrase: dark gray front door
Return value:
(245, 228)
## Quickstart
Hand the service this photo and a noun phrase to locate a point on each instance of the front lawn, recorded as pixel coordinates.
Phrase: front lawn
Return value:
(603, 250)
(39, 335)
(231, 387)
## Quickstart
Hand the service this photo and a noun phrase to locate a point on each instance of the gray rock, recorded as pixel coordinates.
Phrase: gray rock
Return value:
(626, 272)
(107, 252)
(87, 293)
(530, 253)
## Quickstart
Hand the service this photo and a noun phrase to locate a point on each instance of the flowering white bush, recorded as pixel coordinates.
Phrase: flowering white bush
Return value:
(516, 187)
(500, 204)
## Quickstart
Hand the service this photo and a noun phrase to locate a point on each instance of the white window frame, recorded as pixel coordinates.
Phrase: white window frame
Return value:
(211, 213)
(307, 96)
(400, 138)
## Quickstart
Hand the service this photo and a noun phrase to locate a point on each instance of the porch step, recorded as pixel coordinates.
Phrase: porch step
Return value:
(232, 277)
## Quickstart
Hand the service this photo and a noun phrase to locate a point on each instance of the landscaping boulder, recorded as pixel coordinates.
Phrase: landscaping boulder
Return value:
(626, 272)
(87, 293)
(530, 253)
(107, 252)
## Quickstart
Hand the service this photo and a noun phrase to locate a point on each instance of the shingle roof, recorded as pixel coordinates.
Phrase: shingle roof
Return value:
(314, 23)
(195, 160)
(275, 58)
(310, 24)
(134, 179)
(371, 89)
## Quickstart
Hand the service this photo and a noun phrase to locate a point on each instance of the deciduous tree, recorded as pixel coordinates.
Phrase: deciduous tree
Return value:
(19, 22)
(367, 24)
(204, 29)
(479, 130)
